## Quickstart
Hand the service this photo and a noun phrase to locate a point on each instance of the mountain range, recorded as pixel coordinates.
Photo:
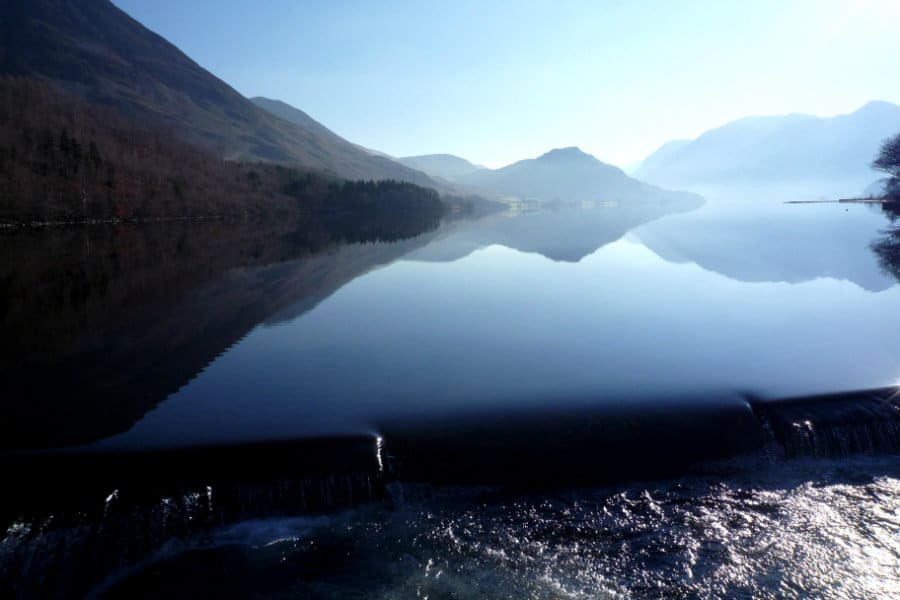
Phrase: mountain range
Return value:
(95, 51)
(563, 174)
(827, 155)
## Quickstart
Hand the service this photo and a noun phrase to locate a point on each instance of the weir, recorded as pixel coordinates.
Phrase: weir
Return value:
(575, 444)
(834, 425)
(73, 518)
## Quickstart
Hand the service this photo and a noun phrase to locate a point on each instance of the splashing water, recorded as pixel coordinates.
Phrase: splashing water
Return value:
(808, 528)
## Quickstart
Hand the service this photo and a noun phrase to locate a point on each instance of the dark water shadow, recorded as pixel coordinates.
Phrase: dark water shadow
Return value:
(98, 324)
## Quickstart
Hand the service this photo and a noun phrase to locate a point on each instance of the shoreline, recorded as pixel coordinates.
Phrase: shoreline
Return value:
(846, 201)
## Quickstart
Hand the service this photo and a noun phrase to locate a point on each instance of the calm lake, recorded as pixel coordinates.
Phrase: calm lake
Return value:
(540, 338)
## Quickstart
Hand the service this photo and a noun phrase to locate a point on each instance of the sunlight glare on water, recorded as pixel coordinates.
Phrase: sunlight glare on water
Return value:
(803, 529)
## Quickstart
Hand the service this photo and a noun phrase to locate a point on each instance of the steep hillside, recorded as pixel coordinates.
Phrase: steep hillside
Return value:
(288, 113)
(659, 157)
(93, 49)
(63, 159)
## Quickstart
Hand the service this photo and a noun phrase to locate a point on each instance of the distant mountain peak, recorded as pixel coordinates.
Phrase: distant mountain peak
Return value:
(567, 175)
(566, 153)
(878, 107)
(881, 103)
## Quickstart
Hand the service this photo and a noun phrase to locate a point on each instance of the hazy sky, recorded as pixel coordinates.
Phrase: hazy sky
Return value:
(498, 81)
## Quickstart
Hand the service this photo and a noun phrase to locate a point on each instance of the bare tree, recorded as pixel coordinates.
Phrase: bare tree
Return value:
(888, 161)
(889, 157)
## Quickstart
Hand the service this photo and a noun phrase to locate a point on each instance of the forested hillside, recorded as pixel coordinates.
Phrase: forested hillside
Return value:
(62, 159)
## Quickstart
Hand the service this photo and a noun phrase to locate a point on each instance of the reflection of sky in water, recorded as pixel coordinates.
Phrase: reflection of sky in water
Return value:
(508, 328)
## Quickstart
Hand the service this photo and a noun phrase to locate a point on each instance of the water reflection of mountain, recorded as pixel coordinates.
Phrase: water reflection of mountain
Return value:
(101, 324)
(558, 232)
(780, 243)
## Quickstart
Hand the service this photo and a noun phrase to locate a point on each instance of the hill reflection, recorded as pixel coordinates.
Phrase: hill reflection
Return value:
(559, 232)
(772, 242)
(99, 324)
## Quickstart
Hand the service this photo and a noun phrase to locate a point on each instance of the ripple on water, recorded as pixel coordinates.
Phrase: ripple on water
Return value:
(800, 529)
(818, 529)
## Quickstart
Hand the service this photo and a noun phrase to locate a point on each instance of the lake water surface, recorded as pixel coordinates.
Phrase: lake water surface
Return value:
(538, 343)
(550, 308)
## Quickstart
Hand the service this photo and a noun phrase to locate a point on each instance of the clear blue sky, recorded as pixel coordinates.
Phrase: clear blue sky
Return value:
(497, 81)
